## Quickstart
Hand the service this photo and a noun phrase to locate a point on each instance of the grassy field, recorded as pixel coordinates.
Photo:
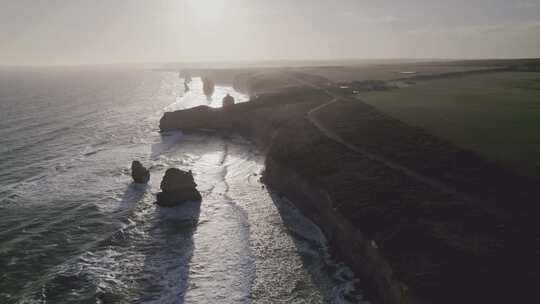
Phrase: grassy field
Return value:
(496, 115)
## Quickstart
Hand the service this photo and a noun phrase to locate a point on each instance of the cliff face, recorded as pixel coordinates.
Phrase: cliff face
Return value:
(274, 118)
(202, 117)
(266, 111)
(352, 246)
(409, 242)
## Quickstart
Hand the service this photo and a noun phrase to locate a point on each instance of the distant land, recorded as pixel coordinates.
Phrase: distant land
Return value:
(321, 63)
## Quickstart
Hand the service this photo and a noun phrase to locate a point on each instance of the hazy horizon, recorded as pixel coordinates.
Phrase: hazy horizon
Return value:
(77, 32)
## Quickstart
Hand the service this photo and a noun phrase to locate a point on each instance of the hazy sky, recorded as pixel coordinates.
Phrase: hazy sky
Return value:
(116, 31)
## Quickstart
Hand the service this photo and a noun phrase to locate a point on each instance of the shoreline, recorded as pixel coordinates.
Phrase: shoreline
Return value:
(347, 243)
(344, 239)
(408, 241)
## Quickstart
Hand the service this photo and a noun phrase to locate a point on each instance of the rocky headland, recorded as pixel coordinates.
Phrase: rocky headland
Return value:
(418, 219)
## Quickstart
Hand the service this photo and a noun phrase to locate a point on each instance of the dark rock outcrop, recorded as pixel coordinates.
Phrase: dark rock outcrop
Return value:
(140, 174)
(177, 187)
(228, 101)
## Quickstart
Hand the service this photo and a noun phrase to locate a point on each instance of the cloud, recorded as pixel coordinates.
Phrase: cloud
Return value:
(359, 18)
(79, 31)
(526, 4)
(477, 29)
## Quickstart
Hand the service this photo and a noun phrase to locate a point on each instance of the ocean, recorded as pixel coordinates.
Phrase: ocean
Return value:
(75, 229)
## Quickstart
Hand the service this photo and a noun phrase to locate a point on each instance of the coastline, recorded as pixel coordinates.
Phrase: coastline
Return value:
(391, 229)
(313, 200)
(348, 243)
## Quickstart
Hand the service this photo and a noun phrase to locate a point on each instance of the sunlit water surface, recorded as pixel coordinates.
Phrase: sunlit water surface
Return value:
(74, 229)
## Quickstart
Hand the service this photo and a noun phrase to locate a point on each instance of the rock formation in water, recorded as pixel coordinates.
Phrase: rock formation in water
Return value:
(186, 75)
(208, 86)
(140, 174)
(177, 187)
(228, 101)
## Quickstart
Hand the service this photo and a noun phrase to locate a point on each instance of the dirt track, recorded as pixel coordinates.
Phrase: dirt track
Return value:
(312, 116)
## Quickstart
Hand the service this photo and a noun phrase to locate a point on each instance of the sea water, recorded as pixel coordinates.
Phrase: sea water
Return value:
(75, 229)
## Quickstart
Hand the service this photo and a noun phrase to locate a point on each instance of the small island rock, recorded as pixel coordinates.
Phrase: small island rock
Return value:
(177, 187)
(139, 173)
(228, 101)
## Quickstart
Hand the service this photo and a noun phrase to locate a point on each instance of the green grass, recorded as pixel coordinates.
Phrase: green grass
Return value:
(496, 115)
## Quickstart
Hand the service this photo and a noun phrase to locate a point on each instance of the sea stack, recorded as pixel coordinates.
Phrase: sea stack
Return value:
(177, 187)
(186, 75)
(139, 173)
(208, 87)
(228, 101)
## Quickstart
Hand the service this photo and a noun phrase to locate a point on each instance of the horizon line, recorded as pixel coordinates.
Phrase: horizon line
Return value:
(163, 64)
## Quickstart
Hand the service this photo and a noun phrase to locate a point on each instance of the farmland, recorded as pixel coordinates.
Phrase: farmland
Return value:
(496, 115)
